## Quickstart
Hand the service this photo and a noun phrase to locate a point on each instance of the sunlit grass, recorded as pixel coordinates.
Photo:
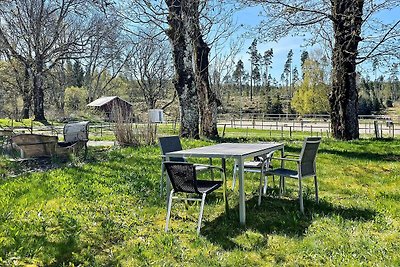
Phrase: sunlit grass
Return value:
(107, 212)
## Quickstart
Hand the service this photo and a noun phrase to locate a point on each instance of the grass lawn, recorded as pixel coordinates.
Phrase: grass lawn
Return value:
(107, 212)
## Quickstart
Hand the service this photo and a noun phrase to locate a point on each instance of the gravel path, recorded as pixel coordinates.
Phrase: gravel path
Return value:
(101, 143)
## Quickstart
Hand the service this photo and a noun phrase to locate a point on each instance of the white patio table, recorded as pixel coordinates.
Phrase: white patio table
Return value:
(237, 151)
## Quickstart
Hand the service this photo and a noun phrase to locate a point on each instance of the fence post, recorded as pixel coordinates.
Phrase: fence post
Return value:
(262, 122)
(311, 130)
(393, 130)
(290, 131)
(376, 128)
(282, 132)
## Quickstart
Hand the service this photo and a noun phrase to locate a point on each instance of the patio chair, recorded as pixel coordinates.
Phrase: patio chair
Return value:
(171, 144)
(184, 180)
(259, 165)
(306, 167)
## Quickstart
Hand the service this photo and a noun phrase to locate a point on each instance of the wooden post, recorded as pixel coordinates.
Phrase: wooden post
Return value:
(393, 130)
(282, 132)
(311, 130)
(262, 122)
(376, 128)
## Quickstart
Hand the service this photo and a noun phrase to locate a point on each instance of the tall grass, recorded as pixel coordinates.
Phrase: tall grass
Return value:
(108, 213)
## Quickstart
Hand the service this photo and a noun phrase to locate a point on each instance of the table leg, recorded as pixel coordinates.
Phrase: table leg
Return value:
(224, 181)
(242, 197)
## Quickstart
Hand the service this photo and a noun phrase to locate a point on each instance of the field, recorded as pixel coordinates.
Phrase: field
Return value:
(107, 212)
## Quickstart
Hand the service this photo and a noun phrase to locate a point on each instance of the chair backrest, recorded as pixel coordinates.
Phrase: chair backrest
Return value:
(76, 131)
(171, 144)
(266, 159)
(182, 176)
(308, 155)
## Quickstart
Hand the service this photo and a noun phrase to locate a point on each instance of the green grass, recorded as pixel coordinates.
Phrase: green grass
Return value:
(107, 212)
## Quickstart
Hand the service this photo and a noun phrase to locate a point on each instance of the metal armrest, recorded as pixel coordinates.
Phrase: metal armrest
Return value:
(209, 166)
(163, 157)
(291, 155)
(287, 159)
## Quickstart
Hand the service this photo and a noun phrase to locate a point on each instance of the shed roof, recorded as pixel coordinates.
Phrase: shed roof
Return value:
(105, 100)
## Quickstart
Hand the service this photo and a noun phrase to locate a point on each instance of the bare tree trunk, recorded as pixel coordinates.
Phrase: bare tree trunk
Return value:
(208, 99)
(184, 77)
(26, 93)
(38, 94)
(344, 96)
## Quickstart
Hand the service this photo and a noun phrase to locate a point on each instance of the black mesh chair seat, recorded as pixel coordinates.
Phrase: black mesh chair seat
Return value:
(182, 176)
(204, 186)
(284, 172)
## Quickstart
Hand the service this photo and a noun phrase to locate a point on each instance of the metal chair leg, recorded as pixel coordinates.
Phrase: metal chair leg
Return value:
(162, 178)
(316, 189)
(169, 210)
(201, 212)
(265, 185)
(235, 169)
(260, 188)
(301, 196)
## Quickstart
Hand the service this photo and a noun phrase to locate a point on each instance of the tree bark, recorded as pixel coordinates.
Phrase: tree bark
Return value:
(347, 21)
(38, 94)
(208, 99)
(184, 77)
(26, 93)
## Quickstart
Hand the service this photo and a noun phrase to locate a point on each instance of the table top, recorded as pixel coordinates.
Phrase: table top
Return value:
(227, 150)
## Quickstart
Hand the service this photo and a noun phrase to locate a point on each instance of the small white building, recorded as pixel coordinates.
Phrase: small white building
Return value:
(156, 116)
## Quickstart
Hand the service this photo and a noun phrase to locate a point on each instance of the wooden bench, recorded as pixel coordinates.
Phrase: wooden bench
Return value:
(34, 145)
(76, 136)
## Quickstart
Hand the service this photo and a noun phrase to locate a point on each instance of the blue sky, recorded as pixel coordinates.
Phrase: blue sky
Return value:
(249, 18)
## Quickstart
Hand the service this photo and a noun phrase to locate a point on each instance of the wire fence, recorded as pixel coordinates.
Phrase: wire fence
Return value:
(247, 125)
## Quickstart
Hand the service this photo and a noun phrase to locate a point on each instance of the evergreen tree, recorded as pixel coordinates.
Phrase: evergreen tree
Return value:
(254, 62)
(238, 74)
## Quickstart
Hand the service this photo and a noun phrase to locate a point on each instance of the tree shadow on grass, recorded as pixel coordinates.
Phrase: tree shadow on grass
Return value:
(384, 156)
(275, 216)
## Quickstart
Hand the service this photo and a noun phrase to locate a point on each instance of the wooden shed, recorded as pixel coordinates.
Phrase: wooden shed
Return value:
(114, 107)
